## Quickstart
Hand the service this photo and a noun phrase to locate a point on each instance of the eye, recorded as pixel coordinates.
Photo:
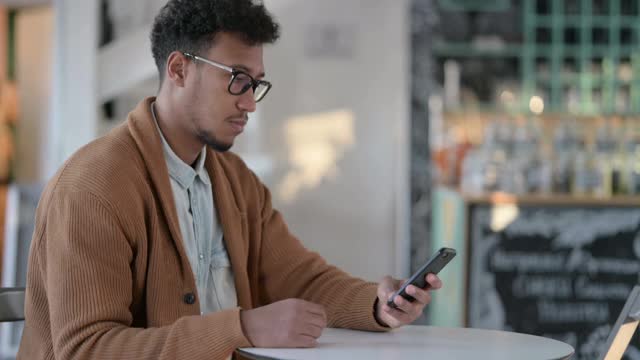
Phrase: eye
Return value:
(241, 83)
(243, 77)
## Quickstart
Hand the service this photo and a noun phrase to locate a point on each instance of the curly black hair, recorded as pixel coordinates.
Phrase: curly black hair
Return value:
(191, 26)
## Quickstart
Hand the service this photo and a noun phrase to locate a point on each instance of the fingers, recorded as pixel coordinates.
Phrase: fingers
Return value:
(319, 318)
(405, 312)
(316, 319)
(317, 322)
(311, 321)
(316, 312)
(311, 330)
(315, 309)
(398, 317)
(434, 281)
(412, 309)
(306, 341)
(422, 296)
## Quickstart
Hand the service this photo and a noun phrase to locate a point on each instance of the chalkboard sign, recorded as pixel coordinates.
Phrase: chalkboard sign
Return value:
(556, 271)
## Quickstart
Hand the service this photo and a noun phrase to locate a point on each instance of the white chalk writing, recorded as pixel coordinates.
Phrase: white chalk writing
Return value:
(570, 312)
(573, 228)
(577, 261)
(526, 261)
(584, 262)
(539, 286)
(586, 289)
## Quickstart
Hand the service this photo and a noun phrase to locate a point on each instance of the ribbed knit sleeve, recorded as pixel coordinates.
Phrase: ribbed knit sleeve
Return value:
(289, 270)
(89, 287)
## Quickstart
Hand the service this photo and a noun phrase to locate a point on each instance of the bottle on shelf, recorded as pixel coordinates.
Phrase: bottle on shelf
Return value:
(538, 167)
(603, 156)
(593, 170)
(618, 157)
(483, 165)
(585, 175)
(581, 159)
(633, 162)
(631, 175)
(472, 178)
(565, 147)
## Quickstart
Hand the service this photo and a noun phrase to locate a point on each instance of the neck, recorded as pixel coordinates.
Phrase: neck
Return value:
(172, 124)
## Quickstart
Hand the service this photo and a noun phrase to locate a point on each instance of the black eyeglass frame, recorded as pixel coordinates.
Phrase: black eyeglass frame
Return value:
(253, 83)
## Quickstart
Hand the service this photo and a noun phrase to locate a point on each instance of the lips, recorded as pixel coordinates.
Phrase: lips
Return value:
(238, 125)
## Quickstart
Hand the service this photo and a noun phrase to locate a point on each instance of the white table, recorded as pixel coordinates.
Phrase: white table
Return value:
(421, 342)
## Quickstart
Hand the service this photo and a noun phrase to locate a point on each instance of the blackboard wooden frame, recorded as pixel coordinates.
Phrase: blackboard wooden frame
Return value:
(624, 329)
(472, 204)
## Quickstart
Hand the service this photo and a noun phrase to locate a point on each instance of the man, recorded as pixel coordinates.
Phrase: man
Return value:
(155, 242)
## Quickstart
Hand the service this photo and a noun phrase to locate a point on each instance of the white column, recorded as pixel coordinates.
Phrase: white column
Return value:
(75, 119)
(33, 75)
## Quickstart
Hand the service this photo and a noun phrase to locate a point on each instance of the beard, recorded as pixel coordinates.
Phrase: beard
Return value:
(211, 141)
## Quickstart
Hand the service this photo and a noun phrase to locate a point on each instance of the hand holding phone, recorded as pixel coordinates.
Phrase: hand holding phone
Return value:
(438, 261)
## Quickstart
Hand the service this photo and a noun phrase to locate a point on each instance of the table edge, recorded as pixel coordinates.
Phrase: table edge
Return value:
(247, 354)
(262, 357)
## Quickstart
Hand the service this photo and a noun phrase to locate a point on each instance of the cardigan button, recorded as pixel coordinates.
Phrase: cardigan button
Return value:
(189, 298)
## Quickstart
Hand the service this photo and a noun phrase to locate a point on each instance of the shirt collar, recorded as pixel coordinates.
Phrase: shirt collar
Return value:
(180, 171)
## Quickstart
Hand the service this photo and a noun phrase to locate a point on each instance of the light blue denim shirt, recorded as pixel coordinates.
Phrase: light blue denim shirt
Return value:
(200, 229)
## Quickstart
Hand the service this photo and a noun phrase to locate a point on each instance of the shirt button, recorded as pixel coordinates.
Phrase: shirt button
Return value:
(189, 298)
(201, 256)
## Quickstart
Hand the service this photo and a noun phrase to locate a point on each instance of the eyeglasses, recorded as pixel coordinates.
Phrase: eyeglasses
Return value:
(240, 81)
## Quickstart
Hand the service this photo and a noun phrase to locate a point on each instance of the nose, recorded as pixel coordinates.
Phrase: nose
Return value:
(246, 102)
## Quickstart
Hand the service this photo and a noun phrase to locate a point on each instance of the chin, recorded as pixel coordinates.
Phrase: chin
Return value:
(215, 143)
(221, 147)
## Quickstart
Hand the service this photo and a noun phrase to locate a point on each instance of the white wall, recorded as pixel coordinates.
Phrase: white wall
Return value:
(34, 28)
(335, 127)
(331, 139)
(75, 119)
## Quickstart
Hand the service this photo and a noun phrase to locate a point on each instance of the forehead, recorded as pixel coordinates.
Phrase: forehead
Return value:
(230, 49)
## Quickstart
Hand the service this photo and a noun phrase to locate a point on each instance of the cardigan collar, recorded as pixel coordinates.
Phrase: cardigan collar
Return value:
(148, 140)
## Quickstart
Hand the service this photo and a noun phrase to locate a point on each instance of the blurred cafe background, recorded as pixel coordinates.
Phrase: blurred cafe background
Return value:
(506, 129)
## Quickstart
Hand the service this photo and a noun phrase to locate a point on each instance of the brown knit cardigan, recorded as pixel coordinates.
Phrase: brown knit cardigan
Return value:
(108, 275)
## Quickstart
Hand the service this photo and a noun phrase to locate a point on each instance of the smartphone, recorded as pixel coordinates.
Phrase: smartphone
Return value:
(438, 261)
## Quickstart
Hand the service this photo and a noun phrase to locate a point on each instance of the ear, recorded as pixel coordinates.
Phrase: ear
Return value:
(176, 69)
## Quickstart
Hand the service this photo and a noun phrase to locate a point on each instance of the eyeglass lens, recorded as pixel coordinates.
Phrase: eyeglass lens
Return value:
(242, 82)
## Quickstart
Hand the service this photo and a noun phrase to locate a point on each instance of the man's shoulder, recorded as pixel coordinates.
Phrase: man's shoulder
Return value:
(236, 169)
(105, 164)
(242, 180)
(232, 162)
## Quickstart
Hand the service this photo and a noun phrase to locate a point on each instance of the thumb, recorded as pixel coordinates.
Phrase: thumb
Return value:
(387, 287)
